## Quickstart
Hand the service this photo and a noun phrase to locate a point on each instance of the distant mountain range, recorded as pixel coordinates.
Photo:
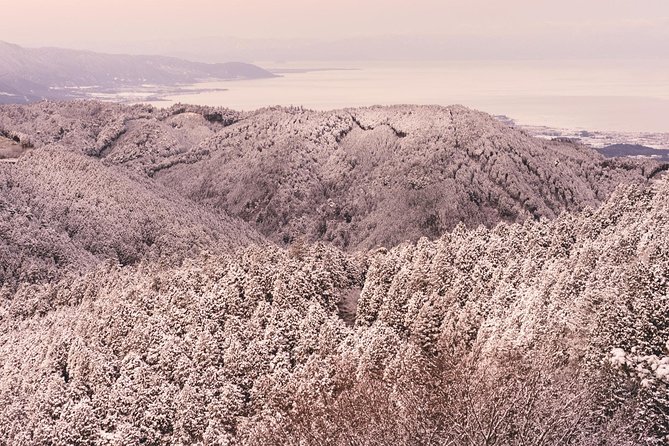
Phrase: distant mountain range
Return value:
(621, 150)
(29, 74)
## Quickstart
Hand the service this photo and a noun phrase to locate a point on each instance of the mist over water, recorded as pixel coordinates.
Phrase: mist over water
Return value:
(631, 96)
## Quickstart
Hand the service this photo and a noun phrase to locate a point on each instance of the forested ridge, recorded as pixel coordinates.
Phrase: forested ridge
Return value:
(144, 301)
(356, 178)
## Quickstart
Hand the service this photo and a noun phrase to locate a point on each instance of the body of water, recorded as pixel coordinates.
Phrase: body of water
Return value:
(621, 95)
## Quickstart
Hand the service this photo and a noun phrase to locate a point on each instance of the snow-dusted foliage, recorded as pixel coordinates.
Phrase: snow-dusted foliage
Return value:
(135, 310)
(62, 211)
(155, 356)
(379, 176)
(357, 178)
(540, 333)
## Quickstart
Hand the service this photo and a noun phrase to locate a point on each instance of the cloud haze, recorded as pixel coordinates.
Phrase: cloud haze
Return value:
(597, 25)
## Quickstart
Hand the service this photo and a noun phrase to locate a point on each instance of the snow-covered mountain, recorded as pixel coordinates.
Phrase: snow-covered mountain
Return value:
(198, 275)
(358, 178)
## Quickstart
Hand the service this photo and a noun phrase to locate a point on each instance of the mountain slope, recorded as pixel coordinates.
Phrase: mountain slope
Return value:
(358, 178)
(64, 212)
(548, 332)
(367, 177)
(137, 307)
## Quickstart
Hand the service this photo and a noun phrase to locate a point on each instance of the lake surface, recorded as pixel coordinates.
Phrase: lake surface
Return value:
(626, 96)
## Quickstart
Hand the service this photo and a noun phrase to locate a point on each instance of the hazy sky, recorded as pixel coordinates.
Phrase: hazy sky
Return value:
(96, 23)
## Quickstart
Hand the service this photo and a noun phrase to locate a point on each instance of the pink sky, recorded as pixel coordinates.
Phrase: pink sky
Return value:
(77, 21)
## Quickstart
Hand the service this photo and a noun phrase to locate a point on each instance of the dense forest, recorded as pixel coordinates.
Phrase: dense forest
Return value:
(356, 178)
(402, 275)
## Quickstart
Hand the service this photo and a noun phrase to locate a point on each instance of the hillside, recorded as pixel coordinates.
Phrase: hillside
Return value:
(356, 178)
(197, 275)
(550, 332)
(30, 74)
(367, 177)
(64, 212)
